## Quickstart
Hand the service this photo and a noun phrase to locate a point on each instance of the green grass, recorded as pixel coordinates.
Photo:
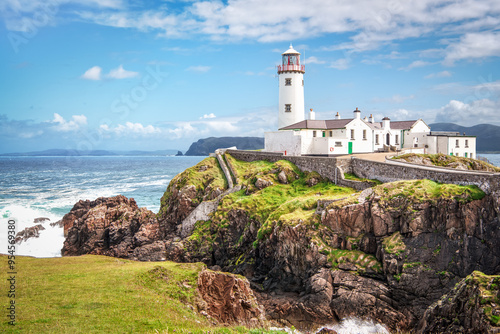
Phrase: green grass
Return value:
(354, 177)
(443, 160)
(205, 176)
(97, 294)
(362, 260)
(419, 191)
(488, 294)
(394, 244)
(289, 203)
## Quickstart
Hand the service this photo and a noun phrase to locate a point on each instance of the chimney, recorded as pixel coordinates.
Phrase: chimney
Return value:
(312, 115)
(337, 116)
(371, 119)
(386, 123)
(357, 113)
(365, 119)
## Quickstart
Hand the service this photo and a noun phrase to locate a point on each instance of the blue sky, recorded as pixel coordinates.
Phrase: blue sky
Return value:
(126, 74)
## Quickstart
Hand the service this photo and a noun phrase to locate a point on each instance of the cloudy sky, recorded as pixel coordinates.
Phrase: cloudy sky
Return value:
(130, 74)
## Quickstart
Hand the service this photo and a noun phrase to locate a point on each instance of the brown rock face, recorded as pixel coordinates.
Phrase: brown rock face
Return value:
(229, 299)
(112, 226)
(29, 232)
(471, 307)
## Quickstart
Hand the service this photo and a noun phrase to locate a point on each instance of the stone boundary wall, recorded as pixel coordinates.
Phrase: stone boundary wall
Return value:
(324, 166)
(385, 172)
(388, 172)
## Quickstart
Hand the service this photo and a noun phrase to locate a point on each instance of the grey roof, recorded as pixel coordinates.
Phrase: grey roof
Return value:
(319, 124)
(402, 125)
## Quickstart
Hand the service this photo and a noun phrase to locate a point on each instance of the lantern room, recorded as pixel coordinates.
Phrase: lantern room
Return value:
(290, 61)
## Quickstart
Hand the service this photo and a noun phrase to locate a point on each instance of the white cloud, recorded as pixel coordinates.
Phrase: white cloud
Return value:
(130, 128)
(443, 74)
(121, 73)
(380, 22)
(340, 64)
(468, 114)
(314, 60)
(473, 46)
(211, 115)
(415, 64)
(199, 68)
(76, 122)
(93, 73)
(394, 99)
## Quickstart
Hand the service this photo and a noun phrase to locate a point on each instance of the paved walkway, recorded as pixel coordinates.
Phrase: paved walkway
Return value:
(367, 156)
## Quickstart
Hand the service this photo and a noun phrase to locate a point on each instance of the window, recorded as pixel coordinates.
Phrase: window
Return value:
(376, 140)
(397, 139)
(352, 134)
(471, 156)
(331, 133)
(466, 143)
(314, 133)
(302, 82)
(288, 108)
(456, 143)
(338, 143)
(364, 134)
(288, 81)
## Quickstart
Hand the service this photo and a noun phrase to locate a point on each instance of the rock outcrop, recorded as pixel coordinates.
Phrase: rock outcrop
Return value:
(313, 252)
(29, 232)
(229, 299)
(113, 226)
(473, 306)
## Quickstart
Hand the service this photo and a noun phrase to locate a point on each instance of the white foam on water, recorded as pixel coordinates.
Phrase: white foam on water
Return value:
(48, 244)
(358, 326)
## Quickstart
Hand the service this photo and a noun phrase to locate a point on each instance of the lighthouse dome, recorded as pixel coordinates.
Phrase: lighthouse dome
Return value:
(291, 50)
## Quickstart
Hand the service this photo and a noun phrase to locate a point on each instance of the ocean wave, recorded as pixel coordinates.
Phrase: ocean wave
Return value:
(51, 240)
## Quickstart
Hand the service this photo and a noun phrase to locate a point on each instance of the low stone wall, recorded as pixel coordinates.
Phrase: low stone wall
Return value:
(385, 172)
(388, 172)
(324, 166)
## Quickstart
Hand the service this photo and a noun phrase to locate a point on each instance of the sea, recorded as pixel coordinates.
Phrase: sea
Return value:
(48, 187)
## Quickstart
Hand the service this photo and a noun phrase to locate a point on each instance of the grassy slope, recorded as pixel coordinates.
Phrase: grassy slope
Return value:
(284, 203)
(97, 294)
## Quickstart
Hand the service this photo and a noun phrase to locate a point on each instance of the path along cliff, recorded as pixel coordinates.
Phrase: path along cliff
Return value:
(314, 252)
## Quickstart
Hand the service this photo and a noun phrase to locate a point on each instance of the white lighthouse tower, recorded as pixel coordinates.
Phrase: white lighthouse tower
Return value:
(291, 81)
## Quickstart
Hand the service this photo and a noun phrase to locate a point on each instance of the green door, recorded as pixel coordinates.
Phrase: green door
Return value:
(349, 147)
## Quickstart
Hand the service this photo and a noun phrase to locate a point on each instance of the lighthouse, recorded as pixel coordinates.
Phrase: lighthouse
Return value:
(291, 88)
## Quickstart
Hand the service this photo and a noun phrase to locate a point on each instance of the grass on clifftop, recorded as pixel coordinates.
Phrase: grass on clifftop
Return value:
(424, 190)
(97, 294)
(285, 203)
(206, 174)
(452, 161)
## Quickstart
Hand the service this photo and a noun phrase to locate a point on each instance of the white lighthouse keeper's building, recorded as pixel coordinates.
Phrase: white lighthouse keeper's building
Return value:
(291, 88)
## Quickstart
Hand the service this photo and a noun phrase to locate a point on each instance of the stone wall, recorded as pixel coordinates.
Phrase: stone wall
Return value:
(389, 172)
(385, 172)
(324, 166)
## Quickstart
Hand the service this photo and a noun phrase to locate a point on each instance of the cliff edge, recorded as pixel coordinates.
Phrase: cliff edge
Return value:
(314, 252)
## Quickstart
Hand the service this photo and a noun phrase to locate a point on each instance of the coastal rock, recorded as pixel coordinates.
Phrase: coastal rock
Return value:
(229, 299)
(113, 226)
(381, 257)
(182, 197)
(29, 232)
(471, 307)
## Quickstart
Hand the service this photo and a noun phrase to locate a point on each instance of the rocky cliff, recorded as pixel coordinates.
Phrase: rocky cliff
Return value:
(313, 252)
